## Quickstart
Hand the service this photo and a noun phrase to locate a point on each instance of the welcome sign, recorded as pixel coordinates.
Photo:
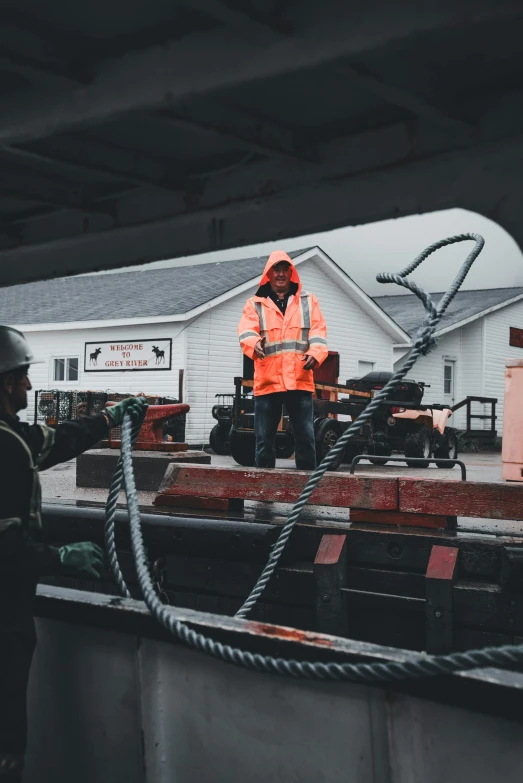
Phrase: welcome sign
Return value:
(128, 355)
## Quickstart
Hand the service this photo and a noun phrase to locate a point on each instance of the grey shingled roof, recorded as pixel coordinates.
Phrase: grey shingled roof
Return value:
(151, 292)
(408, 312)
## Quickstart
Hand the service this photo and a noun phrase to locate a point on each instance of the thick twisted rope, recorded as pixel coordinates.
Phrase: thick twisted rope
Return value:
(422, 666)
(110, 515)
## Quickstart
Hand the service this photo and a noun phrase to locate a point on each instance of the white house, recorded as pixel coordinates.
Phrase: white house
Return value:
(98, 332)
(479, 331)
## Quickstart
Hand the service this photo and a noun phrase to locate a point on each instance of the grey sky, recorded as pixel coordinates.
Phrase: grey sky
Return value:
(363, 251)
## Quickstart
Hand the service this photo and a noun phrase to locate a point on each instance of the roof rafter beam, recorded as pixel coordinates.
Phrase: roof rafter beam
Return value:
(239, 15)
(341, 156)
(30, 186)
(397, 96)
(367, 152)
(238, 129)
(161, 75)
(38, 56)
(421, 186)
(36, 72)
(99, 158)
(61, 166)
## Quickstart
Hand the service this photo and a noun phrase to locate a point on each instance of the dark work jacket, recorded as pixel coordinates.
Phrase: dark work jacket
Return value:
(26, 449)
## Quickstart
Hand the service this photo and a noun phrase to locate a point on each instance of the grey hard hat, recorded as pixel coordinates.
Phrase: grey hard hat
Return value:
(14, 350)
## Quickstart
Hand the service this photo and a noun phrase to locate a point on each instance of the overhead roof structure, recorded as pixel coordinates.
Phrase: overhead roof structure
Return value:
(174, 127)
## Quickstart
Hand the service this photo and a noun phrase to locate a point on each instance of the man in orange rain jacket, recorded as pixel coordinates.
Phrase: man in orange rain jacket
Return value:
(283, 330)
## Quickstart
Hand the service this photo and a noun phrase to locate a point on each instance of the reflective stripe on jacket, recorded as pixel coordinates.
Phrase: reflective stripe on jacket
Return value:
(34, 519)
(287, 338)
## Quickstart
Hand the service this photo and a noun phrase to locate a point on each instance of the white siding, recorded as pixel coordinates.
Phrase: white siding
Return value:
(472, 373)
(498, 350)
(50, 344)
(213, 359)
(429, 369)
(214, 356)
(480, 350)
(350, 330)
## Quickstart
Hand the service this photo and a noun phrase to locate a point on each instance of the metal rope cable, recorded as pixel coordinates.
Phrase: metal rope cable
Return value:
(423, 666)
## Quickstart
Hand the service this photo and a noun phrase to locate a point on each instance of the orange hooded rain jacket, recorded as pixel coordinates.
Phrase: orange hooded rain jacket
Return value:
(288, 337)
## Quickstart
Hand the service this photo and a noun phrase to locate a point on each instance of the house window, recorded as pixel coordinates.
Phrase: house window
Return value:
(65, 369)
(447, 381)
(365, 367)
(449, 375)
(516, 337)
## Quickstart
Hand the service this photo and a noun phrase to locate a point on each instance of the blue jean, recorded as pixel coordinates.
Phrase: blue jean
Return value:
(267, 414)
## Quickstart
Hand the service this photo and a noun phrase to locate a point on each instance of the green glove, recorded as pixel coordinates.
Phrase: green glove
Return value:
(137, 407)
(82, 559)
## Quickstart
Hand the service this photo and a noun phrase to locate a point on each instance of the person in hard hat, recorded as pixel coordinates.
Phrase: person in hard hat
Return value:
(283, 330)
(24, 557)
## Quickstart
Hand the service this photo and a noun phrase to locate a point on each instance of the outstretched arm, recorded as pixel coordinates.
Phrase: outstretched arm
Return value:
(69, 439)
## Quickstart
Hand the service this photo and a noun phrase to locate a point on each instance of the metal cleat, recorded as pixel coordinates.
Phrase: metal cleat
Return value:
(151, 434)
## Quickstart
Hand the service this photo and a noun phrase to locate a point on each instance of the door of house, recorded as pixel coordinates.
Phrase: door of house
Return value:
(449, 382)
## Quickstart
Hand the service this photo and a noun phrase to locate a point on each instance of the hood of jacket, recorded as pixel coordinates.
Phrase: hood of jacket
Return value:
(275, 258)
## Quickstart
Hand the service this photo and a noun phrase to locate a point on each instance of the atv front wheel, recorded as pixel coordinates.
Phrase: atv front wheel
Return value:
(418, 445)
(219, 440)
(284, 445)
(449, 447)
(327, 434)
(243, 447)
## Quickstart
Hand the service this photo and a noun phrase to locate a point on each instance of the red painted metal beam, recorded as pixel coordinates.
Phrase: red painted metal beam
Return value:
(283, 486)
(442, 562)
(440, 576)
(330, 576)
(329, 550)
(494, 500)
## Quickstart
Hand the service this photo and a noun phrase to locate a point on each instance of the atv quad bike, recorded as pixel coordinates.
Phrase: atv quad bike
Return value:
(402, 424)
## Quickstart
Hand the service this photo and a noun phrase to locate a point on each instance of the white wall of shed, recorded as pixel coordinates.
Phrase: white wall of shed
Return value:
(498, 350)
(49, 345)
(479, 355)
(472, 374)
(429, 369)
(214, 356)
(350, 330)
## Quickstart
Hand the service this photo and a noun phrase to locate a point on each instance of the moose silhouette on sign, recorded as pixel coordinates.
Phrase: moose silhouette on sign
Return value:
(160, 355)
(93, 357)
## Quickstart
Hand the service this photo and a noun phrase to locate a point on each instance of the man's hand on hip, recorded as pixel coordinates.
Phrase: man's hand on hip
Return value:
(310, 362)
(258, 349)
